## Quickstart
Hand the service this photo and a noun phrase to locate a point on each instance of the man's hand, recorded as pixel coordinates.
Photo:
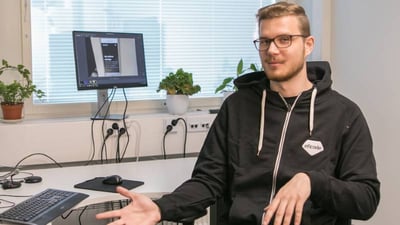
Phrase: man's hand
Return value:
(141, 211)
(289, 200)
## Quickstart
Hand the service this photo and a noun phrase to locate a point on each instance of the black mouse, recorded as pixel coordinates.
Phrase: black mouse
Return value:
(112, 180)
(32, 179)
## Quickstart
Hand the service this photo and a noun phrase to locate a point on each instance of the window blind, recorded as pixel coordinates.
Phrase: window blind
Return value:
(206, 38)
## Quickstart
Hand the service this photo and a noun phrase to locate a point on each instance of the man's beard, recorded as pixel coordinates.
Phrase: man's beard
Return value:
(289, 75)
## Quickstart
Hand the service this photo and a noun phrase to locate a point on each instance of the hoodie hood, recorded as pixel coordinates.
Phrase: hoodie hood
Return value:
(319, 73)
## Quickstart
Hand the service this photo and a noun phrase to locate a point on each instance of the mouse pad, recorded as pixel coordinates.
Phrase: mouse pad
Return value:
(97, 185)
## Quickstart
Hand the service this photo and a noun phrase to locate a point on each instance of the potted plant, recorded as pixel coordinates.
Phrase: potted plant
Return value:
(227, 86)
(13, 94)
(179, 86)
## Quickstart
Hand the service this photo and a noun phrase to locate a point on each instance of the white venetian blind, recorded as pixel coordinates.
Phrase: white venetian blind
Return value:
(206, 38)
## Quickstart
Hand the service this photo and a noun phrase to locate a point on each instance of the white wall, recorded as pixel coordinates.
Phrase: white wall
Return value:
(70, 140)
(365, 60)
(10, 24)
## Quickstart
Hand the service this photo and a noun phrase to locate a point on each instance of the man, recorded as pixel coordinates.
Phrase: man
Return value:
(284, 149)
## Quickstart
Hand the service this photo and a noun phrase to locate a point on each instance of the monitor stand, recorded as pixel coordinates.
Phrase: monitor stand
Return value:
(100, 111)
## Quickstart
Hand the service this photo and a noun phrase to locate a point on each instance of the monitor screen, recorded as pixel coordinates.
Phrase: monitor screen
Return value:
(106, 60)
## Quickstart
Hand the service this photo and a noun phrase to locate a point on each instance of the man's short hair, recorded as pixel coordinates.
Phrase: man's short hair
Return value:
(281, 9)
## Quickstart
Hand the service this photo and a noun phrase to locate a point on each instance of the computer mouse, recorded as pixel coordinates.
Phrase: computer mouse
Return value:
(112, 180)
(32, 179)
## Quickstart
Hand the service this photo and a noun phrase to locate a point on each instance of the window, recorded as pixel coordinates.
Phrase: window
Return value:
(206, 38)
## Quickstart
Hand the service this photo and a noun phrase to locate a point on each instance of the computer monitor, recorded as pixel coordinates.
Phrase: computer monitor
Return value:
(108, 60)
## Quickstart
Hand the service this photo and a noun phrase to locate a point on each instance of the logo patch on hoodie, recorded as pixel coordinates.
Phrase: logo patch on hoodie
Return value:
(313, 147)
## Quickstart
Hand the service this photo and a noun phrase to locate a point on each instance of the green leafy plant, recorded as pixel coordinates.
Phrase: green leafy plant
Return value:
(228, 85)
(180, 82)
(17, 91)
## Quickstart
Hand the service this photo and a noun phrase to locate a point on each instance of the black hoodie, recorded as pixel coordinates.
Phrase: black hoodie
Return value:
(260, 140)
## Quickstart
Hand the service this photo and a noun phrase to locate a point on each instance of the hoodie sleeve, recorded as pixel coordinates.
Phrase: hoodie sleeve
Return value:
(190, 200)
(354, 191)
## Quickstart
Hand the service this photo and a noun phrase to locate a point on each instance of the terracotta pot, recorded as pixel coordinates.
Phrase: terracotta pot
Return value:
(12, 111)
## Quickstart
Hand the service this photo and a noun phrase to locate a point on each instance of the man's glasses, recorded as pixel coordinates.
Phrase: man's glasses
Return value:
(281, 41)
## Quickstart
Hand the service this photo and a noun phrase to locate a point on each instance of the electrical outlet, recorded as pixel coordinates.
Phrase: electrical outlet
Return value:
(198, 124)
(169, 122)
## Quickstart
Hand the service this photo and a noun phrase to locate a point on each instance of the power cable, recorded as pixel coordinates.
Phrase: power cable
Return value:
(185, 135)
(34, 154)
(125, 128)
(92, 126)
(169, 129)
(105, 137)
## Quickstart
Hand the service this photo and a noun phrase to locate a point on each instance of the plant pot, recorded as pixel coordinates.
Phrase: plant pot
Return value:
(12, 111)
(177, 104)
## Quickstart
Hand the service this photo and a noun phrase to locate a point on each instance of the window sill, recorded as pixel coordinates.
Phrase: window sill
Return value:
(84, 110)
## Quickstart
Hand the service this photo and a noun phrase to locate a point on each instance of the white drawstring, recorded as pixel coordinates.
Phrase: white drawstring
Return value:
(312, 103)
(262, 116)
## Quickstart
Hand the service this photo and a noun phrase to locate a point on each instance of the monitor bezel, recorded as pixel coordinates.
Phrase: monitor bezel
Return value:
(108, 82)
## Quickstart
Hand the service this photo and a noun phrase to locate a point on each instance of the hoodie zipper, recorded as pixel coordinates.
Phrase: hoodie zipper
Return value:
(281, 143)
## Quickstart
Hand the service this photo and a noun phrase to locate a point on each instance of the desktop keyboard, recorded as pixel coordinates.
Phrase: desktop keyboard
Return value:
(42, 208)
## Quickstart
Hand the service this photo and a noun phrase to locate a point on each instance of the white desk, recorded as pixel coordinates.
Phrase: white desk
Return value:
(159, 176)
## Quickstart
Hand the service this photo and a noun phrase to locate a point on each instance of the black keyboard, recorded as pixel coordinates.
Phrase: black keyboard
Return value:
(42, 208)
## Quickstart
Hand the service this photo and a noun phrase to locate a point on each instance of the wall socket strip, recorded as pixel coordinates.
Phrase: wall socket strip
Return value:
(194, 124)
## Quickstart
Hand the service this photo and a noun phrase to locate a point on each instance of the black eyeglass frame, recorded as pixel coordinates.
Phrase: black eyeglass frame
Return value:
(257, 42)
